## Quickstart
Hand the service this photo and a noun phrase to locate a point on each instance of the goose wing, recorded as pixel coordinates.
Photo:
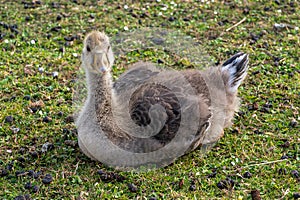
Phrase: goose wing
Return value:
(137, 74)
(166, 90)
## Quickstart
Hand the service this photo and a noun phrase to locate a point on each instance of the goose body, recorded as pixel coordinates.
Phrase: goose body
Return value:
(150, 116)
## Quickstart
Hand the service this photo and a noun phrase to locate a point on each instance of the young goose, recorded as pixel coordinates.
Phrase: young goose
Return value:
(150, 116)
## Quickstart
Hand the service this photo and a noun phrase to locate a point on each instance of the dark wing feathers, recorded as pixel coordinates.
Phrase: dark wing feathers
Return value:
(148, 95)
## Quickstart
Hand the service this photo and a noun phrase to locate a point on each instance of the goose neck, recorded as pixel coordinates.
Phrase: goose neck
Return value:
(98, 82)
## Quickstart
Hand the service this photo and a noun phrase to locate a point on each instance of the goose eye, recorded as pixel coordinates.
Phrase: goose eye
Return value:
(88, 48)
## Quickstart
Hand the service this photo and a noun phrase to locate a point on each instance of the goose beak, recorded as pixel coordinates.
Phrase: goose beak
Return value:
(100, 61)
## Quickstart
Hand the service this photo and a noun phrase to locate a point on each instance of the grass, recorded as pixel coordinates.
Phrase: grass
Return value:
(263, 131)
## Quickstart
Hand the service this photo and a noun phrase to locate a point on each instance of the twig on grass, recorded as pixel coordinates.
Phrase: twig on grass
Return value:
(284, 194)
(264, 163)
(259, 164)
(235, 25)
(76, 167)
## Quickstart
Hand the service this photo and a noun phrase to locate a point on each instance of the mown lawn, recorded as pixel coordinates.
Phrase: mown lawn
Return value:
(39, 39)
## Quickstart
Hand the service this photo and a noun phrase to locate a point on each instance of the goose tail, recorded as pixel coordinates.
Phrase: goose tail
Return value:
(234, 71)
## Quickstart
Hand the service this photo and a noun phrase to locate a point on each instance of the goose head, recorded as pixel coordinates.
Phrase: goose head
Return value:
(97, 55)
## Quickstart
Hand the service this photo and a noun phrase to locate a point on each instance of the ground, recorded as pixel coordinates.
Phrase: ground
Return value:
(41, 43)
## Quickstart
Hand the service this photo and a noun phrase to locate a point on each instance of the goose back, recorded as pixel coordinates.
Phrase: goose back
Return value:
(138, 91)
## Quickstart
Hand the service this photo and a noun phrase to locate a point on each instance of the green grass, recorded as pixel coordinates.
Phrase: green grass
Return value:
(275, 55)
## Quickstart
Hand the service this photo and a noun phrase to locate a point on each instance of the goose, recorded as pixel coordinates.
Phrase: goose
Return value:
(150, 116)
